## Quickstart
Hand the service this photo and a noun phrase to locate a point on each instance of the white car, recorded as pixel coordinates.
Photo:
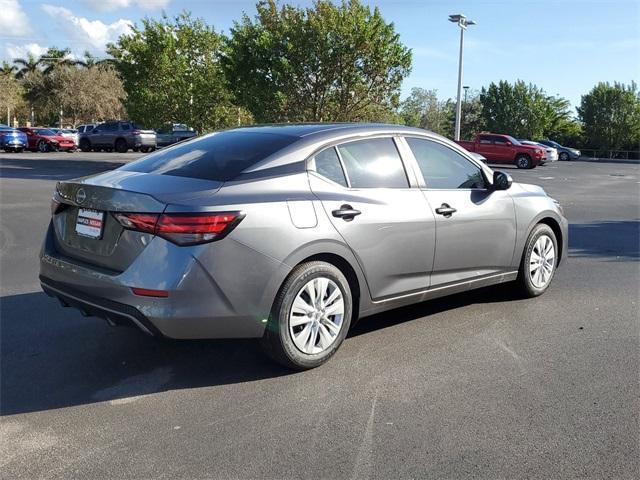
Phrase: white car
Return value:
(550, 153)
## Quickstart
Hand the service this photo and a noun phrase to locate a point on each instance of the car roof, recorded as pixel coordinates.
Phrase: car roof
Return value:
(313, 136)
(314, 129)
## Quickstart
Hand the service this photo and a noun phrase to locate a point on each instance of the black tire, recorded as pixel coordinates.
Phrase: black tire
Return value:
(144, 149)
(525, 283)
(108, 149)
(523, 161)
(136, 149)
(564, 156)
(85, 145)
(277, 342)
(44, 146)
(121, 145)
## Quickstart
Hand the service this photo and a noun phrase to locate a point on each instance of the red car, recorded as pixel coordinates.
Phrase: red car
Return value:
(45, 140)
(499, 148)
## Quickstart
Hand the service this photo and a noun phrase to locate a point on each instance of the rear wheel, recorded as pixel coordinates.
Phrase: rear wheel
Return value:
(310, 317)
(144, 149)
(121, 145)
(85, 145)
(523, 161)
(539, 261)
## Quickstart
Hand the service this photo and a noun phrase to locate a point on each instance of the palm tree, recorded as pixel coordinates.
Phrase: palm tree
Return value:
(28, 65)
(55, 57)
(91, 60)
(7, 69)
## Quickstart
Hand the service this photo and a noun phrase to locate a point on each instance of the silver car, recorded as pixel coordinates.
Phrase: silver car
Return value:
(292, 233)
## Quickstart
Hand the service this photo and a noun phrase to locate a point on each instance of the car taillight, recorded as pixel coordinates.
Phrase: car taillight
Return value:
(182, 228)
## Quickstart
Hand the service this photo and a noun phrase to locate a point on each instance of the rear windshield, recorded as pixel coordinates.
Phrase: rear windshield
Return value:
(220, 156)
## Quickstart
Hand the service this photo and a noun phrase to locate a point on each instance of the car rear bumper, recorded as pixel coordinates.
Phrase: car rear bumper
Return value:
(113, 312)
(197, 305)
(142, 141)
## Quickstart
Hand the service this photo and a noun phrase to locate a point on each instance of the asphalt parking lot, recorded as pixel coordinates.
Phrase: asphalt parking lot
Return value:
(476, 385)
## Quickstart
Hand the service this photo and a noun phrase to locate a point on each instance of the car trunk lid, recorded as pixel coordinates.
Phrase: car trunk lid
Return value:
(85, 226)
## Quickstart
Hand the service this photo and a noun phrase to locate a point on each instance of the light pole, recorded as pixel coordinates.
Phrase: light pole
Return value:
(463, 23)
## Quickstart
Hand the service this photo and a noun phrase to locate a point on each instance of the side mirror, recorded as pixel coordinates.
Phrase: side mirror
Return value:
(501, 181)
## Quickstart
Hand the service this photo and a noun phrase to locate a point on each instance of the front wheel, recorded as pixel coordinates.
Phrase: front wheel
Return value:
(523, 161)
(43, 146)
(310, 318)
(539, 261)
(564, 156)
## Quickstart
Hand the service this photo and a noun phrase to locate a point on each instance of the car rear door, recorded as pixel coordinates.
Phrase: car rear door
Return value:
(366, 193)
(475, 226)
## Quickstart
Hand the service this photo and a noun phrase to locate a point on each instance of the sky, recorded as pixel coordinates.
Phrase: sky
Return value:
(563, 46)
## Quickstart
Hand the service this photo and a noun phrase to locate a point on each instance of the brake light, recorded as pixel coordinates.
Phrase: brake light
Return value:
(183, 228)
(147, 292)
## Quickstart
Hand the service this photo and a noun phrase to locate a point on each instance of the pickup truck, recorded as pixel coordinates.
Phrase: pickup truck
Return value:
(505, 149)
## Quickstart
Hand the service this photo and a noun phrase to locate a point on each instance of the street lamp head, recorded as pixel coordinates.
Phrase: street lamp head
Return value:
(461, 20)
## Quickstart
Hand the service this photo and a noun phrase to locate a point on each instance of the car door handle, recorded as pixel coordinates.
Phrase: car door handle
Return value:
(445, 210)
(346, 212)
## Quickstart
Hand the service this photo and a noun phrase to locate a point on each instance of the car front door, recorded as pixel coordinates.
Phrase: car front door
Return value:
(365, 191)
(505, 150)
(475, 225)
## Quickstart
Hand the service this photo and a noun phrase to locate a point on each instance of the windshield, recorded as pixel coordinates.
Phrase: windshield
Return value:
(512, 140)
(219, 156)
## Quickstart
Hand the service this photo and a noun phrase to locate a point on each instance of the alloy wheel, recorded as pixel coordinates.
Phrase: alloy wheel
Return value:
(316, 316)
(542, 261)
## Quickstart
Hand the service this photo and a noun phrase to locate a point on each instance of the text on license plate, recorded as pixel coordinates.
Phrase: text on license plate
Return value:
(89, 223)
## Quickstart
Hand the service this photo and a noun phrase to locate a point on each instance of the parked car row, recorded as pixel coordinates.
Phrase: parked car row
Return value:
(500, 148)
(120, 136)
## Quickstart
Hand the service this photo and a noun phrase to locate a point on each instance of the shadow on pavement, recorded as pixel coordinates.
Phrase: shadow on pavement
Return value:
(48, 169)
(53, 358)
(605, 239)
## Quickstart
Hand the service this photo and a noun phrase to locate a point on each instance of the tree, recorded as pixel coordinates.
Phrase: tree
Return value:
(522, 110)
(81, 94)
(7, 69)
(27, 65)
(423, 109)
(611, 116)
(55, 57)
(171, 73)
(324, 63)
(12, 97)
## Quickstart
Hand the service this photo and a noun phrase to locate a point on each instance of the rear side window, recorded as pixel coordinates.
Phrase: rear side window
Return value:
(328, 165)
(373, 163)
(485, 139)
(444, 168)
(125, 126)
(220, 156)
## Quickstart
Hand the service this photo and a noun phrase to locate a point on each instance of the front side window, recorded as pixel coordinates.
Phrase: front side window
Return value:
(328, 165)
(373, 163)
(443, 167)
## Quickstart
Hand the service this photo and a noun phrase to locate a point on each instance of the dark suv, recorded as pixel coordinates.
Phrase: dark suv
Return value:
(118, 136)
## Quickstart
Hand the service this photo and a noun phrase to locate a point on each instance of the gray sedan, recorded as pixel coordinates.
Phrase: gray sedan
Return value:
(293, 233)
